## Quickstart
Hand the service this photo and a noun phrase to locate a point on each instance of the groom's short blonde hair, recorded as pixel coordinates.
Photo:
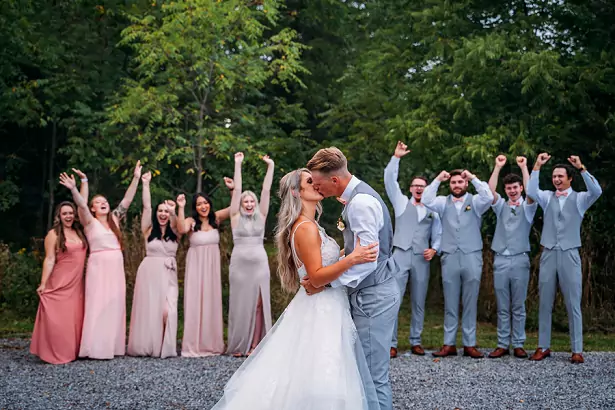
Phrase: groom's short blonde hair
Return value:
(328, 160)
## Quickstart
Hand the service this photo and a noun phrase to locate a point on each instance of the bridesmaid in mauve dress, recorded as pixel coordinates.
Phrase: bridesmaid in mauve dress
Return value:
(104, 323)
(153, 319)
(249, 302)
(203, 324)
(57, 330)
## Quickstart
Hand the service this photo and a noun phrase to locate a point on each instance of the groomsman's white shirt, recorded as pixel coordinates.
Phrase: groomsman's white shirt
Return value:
(365, 219)
(528, 209)
(480, 202)
(400, 202)
(585, 199)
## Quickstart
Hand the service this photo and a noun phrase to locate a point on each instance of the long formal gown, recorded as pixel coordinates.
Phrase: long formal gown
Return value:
(310, 360)
(249, 278)
(57, 330)
(104, 324)
(153, 319)
(203, 325)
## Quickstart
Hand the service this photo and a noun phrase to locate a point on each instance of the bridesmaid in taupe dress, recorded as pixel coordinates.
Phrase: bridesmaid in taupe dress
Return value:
(249, 303)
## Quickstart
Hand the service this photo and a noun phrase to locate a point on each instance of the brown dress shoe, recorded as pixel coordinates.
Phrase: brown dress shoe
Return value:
(393, 352)
(520, 353)
(473, 352)
(446, 351)
(540, 354)
(499, 352)
(577, 358)
(418, 350)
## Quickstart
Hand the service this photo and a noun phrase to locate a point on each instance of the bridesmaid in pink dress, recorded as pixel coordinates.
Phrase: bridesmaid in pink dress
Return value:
(153, 319)
(104, 324)
(57, 330)
(203, 324)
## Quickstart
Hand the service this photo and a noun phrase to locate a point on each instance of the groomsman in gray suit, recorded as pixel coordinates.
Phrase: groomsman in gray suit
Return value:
(511, 266)
(560, 262)
(414, 227)
(462, 257)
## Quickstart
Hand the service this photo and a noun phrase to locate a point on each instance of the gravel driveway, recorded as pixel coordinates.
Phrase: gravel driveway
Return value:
(418, 382)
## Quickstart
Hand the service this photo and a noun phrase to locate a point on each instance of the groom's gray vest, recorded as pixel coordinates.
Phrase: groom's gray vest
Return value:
(409, 233)
(385, 268)
(562, 227)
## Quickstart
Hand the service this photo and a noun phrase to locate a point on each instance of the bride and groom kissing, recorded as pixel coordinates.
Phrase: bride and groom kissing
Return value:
(330, 347)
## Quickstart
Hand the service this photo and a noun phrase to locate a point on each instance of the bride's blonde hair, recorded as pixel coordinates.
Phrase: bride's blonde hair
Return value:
(290, 210)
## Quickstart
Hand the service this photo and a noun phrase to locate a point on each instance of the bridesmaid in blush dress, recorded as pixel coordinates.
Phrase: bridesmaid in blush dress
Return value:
(104, 323)
(153, 319)
(249, 302)
(203, 324)
(57, 330)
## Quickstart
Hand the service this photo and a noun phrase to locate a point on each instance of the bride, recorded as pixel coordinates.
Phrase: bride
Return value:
(311, 359)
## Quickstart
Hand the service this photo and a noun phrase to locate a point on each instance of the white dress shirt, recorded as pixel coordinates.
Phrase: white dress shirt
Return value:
(585, 199)
(364, 217)
(480, 202)
(400, 202)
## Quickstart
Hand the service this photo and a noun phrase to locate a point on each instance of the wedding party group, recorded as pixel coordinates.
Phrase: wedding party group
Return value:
(332, 346)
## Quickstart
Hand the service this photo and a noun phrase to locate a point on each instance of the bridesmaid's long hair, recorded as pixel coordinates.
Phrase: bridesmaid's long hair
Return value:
(211, 217)
(290, 210)
(58, 227)
(112, 225)
(156, 232)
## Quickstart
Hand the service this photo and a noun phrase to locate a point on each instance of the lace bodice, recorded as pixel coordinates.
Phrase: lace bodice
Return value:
(329, 249)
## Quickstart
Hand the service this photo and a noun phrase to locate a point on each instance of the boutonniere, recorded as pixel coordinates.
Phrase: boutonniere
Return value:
(340, 224)
(468, 208)
(513, 211)
(430, 216)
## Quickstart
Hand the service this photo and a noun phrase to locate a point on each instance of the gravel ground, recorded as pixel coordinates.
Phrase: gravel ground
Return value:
(418, 382)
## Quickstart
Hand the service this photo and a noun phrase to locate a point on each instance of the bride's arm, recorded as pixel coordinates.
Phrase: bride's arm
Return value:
(307, 239)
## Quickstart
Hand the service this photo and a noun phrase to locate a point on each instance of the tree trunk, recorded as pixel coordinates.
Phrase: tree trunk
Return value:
(51, 179)
(199, 168)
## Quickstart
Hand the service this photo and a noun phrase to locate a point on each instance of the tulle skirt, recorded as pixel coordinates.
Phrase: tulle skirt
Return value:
(310, 360)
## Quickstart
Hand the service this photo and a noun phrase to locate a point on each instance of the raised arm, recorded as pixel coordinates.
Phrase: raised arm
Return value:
(49, 261)
(594, 190)
(533, 190)
(184, 225)
(172, 216)
(430, 196)
(120, 212)
(525, 173)
(84, 189)
(85, 216)
(266, 191)
(307, 239)
(236, 198)
(146, 216)
(484, 198)
(391, 185)
(500, 161)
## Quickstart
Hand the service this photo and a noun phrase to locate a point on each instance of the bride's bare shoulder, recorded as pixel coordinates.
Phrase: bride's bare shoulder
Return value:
(304, 228)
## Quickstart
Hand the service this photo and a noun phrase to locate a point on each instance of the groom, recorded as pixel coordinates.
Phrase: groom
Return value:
(372, 288)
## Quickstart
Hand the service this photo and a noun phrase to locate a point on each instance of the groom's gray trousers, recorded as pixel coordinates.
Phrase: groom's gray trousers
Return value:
(374, 310)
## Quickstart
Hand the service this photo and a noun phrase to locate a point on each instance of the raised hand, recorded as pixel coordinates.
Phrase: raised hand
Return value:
(181, 200)
(67, 181)
(268, 160)
(543, 158)
(443, 176)
(401, 150)
(170, 206)
(500, 161)
(80, 174)
(146, 178)
(522, 162)
(575, 161)
(230, 183)
(467, 175)
(137, 171)
(239, 157)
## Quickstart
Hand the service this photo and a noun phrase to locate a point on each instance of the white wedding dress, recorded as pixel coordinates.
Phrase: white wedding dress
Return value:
(311, 359)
